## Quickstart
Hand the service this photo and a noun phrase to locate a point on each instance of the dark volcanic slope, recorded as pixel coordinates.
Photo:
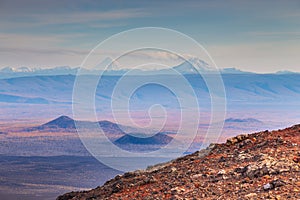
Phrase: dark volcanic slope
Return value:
(263, 165)
(157, 139)
(248, 120)
(65, 123)
(60, 122)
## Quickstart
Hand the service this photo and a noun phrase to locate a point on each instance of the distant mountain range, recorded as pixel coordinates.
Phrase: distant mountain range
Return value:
(191, 66)
(11, 72)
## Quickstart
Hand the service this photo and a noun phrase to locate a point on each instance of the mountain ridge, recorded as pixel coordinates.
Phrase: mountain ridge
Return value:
(262, 165)
(190, 66)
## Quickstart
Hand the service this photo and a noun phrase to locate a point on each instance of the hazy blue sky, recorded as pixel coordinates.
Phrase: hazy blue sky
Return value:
(261, 36)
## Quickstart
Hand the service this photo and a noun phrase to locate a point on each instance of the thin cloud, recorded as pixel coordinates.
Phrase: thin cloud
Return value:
(96, 18)
(106, 25)
(162, 55)
(274, 33)
(21, 41)
(43, 51)
(255, 57)
(41, 44)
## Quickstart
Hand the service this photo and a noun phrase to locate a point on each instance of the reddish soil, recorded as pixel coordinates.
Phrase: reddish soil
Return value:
(264, 165)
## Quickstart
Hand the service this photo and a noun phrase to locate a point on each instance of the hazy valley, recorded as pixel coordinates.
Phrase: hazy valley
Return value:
(41, 151)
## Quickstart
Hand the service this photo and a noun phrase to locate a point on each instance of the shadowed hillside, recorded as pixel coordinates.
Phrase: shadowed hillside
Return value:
(157, 139)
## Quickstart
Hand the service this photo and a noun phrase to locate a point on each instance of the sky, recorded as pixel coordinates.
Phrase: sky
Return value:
(257, 36)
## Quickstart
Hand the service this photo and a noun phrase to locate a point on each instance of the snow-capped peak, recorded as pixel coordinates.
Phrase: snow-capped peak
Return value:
(194, 65)
(109, 64)
(19, 69)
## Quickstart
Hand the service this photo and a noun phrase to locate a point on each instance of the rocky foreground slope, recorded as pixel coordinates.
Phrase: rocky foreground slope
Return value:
(264, 165)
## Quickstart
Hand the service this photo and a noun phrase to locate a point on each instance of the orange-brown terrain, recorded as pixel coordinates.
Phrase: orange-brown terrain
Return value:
(263, 165)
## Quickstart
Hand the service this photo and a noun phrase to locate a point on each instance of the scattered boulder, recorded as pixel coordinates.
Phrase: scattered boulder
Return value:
(237, 139)
(204, 152)
(273, 184)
